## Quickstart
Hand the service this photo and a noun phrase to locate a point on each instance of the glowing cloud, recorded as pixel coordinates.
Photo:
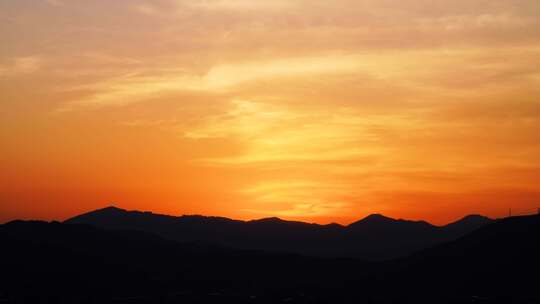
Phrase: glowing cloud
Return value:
(312, 110)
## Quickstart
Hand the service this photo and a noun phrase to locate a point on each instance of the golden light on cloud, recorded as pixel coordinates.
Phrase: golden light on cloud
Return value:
(314, 110)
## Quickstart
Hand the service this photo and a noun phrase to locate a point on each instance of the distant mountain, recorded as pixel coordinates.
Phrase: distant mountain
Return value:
(467, 224)
(375, 237)
(70, 263)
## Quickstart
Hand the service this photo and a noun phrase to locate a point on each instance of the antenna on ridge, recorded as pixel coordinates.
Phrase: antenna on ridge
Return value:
(510, 212)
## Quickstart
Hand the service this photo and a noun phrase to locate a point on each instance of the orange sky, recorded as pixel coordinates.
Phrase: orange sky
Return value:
(310, 110)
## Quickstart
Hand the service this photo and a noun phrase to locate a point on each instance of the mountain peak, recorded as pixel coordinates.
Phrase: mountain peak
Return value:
(269, 220)
(472, 218)
(111, 208)
(107, 212)
(475, 217)
(469, 222)
(377, 217)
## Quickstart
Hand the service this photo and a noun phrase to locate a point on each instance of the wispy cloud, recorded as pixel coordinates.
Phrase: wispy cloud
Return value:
(240, 4)
(55, 2)
(21, 66)
(138, 86)
(288, 108)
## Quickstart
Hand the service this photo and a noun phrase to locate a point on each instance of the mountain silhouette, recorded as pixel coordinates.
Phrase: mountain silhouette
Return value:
(375, 237)
(467, 224)
(499, 257)
(76, 263)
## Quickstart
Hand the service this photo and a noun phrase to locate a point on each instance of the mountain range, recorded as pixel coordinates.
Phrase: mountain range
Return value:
(375, 237)
(79, 263)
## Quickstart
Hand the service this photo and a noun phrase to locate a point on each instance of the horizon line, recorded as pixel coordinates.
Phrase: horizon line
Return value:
(267, 217)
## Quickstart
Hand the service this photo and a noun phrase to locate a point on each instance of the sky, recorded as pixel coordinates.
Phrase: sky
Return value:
(320, 111)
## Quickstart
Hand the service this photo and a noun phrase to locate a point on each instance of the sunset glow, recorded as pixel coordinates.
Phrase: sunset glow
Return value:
(320, 111)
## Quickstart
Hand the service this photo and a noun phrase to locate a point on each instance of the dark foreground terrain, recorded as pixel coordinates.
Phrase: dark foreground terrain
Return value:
(77, 263)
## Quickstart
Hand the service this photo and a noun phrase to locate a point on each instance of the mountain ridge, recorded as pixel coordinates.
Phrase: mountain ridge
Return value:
(374, 216)
(375, 237)
(58, 262)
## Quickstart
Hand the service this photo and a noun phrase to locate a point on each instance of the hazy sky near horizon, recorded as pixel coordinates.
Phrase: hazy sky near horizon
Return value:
(310, 110)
